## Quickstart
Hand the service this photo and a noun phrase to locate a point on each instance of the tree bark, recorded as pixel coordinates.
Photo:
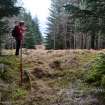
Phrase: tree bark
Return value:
(0, 45)
(92, 40)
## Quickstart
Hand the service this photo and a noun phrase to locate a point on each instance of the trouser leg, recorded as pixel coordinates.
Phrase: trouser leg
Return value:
(18, 43)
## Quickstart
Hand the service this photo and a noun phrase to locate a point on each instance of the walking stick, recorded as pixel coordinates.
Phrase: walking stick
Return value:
(21, 64)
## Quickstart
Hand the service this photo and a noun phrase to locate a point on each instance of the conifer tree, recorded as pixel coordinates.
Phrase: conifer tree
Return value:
(7, 9)
(33, 35)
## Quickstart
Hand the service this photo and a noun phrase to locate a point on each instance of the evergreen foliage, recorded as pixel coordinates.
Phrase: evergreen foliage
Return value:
(96, 75)
(33, 35)
(54, 36)
(7, 9)
(90, 14)
(76, 24)
(38, 35)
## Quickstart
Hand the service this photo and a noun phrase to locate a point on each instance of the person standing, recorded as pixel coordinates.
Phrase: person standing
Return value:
(19, 32)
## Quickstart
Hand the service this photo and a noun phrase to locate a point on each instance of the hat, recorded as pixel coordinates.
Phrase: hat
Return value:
(21, 22)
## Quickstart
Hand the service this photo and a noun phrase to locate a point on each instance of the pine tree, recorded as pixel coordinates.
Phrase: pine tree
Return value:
(80, 26)
(29, 36)
(54, 36)
(7, 9)
(90, 14)
(33, 35)
(38, 35)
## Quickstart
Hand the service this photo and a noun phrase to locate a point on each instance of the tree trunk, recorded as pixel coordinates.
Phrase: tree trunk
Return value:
(0, 45)
(96, 41)
(92, 40)
(74, 41)
(81, 40)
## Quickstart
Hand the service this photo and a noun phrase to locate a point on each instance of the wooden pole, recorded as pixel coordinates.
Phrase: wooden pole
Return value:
(21, 64)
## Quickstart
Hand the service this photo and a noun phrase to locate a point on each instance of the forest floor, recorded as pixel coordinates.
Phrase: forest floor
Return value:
(56, 77)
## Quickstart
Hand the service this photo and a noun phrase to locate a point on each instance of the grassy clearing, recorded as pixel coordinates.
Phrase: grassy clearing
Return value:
(59, 70)
(51, 72)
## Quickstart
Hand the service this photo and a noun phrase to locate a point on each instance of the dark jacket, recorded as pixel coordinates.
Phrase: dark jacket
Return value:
(19, 34)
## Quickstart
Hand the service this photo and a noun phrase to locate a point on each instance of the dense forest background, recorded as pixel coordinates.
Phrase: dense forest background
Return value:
(72, 24)
(76, 24)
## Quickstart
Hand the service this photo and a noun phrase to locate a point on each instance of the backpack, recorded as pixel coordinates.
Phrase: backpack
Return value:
(14, 32)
